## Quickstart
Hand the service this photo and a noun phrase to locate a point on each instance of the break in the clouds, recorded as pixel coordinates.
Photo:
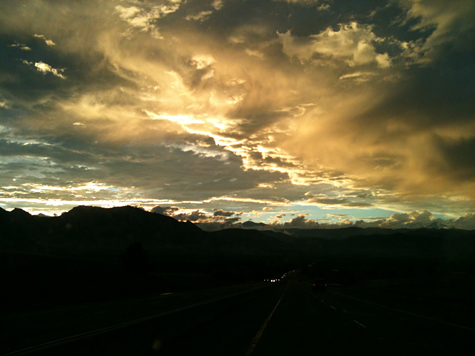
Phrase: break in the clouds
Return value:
(235, 110)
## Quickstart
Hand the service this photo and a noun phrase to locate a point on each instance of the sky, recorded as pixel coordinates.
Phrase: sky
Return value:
(301, 113)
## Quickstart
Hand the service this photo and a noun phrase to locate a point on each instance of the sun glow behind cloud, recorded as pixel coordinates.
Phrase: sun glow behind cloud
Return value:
(356, 109)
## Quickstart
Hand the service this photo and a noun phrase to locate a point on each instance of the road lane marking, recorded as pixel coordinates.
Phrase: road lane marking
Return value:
(124, 324)
(357, 322)
(264, 326)
(331, 306)
(406, 312)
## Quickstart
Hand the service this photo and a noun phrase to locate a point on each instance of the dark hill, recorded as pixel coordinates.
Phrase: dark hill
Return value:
(334, 234)
(124, 224)
(91, 250)
(93, 230)
(88, 229)
(252, 225)
(245, 240)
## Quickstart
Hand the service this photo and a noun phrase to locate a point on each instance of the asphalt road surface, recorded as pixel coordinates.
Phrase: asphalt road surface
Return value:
(257, 319)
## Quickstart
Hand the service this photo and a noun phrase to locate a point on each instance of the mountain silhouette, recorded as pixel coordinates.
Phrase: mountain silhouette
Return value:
(86, 229)
(92, 251)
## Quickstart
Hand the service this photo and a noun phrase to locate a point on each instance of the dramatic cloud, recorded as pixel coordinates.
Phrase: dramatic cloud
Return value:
(352, 44)
(218, 4)
(449, 24)
(164, 210)
(466, 222)
(47, 41)
(229, 111)
(412, 220)
(302, 2)
(195, 216)
(201, 16)
(21, 46)
(144, 18)
(223, 213)
(46, 68)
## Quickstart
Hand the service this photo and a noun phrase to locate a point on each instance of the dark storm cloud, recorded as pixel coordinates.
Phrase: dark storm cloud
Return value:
(342, 202)
(459, 157)
(74, 49)
(253, 101)
(20, 82)
(166, 210)
(223, 213)
(412, 220)
(165, 167)
(192, 216)
(396, 136)
(435, 96)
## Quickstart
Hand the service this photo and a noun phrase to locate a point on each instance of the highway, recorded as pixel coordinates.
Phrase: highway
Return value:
(257, 319)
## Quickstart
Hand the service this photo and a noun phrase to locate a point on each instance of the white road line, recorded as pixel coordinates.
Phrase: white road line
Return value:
(124, 324)
(406, 312)
(264, 326)
(357, 322)
(331, 306)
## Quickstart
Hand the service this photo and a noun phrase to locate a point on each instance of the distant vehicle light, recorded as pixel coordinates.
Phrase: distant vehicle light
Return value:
(319, 285)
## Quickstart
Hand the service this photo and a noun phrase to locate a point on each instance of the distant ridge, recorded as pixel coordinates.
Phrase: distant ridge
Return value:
(86, 228)
(91, 230)
(91, 251)
(251, 225)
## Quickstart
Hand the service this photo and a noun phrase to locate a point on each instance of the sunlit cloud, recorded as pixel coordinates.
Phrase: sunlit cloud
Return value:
(47, 41)
(21, 46)
(352, 43)
(201, 16)
(254, 53)
(359, 76)
(5, 105)
(304, 2)
(323, 7)
(448, 22)
(361, 109)
(89, 187)
(46, 68)
(218, 4)
(144, 18)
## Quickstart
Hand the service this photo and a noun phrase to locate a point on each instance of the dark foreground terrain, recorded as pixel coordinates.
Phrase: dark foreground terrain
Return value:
(284, 318)
(123, 281)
